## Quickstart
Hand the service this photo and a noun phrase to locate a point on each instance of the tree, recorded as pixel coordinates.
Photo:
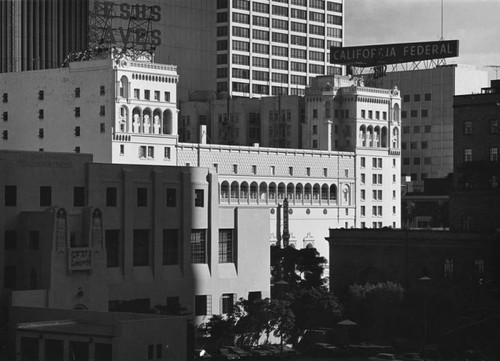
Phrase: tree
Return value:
(299, 268)
(219, 329)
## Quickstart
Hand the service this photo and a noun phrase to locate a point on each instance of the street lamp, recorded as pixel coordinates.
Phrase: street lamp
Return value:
(425, 280)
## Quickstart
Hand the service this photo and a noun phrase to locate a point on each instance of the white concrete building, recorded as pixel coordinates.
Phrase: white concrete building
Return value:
(124, 112)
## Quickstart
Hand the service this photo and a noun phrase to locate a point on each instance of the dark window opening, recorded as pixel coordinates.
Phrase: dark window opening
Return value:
(79, 196)
(45, 196)
(10, 196)
(170, 247)
(142, 197)
(111, 197)
(113, 255)
(171, 197)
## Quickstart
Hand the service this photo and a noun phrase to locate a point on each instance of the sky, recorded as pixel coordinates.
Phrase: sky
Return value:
(475, 23)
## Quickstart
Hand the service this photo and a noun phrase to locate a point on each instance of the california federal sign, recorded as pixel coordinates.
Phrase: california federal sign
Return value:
(374, 55)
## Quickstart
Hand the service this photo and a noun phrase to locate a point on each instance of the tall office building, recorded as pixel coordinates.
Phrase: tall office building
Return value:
(244, 47)
(275, 47)
(427, 116)
(38, 34)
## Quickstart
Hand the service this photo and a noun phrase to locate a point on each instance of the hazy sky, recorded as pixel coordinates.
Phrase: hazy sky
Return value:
(475, 23)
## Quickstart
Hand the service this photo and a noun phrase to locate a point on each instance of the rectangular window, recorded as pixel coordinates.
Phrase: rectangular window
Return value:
(5, 97)
(147, 94)
(41, 114)
(137, 93)
(9, 280)
(198, 246)
(77, 92)
(166, 96)
(122, 149)
(199, 198)
(166, 153)
(141, 256)
(34, 240)
(448, 268)
(363, 194)
(113, 248)
(102, 110)
(362, 211)
(363, 178)
(235, 168)
(226, 245)
(142, 197)
(111, 197)
(493, 154)
(77, 131)
(10, 240)
(102, 90)
(157, 95)
(494, 126)
(79, 196)
(171, 197)
(170, 247)
(227, 303)
(10, 195)
(468, 127)
(468, 155)
(202, 305)
(77, 112)
(45, 196)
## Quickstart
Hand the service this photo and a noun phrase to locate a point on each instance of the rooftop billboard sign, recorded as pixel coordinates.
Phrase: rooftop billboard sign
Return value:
(375, 55)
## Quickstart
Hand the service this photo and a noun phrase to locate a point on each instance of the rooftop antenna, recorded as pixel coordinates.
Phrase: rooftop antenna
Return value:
(495, 68)
(442, 20)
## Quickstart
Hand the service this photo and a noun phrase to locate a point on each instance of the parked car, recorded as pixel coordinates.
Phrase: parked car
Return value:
(223, 354)
(238, 351)
(276, 350)
(325, 349)
(259, 352)
(383, 357)
(410, 356)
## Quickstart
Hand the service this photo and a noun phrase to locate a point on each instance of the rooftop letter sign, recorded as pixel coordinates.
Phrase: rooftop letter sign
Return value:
(374, 55)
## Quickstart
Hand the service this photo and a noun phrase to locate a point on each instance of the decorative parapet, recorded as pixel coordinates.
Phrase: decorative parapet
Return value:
(80, 259)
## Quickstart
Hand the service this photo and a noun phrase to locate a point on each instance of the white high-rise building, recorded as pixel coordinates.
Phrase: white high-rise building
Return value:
(275, 47)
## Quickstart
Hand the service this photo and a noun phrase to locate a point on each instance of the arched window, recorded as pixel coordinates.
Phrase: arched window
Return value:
(362, 135)
(156, 122)
(263, 191)
(369, 136)
(168, 126)
(316, 192)
(253, 190)
(136, 120)
(376, 137)
(244, 190)
(396, 112)
(289, 191)
(124, 87)
(384, 137)
(224, 190)
(299, 190)
(147, 118)
(281, 191)
(324, 192)
(272, 191)
(333, 192)
(308, 192)
(234, 190)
